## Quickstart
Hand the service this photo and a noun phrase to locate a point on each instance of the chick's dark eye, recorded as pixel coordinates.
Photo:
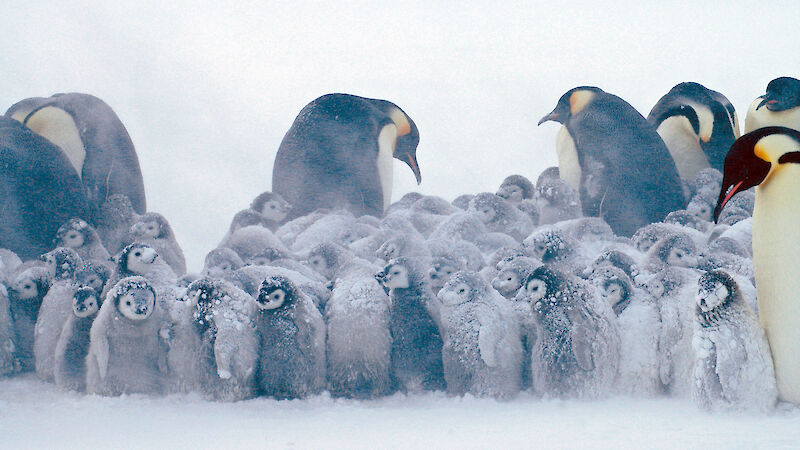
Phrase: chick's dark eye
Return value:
(128, 302)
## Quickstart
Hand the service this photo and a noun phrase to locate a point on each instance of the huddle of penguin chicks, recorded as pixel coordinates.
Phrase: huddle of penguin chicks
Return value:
(493, 294)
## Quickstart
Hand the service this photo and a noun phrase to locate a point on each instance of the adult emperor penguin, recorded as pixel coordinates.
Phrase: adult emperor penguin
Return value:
(95, 142)
(697, 124)
(615, 159)
(338, 153)
(780, 106)
(39, 190)
(769, 159)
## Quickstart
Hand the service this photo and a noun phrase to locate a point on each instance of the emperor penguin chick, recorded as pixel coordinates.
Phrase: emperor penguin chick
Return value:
(116, 217)
(733, 365)
(359, 344)
(8, 361)
(55, 309)
(577, 354)
(482, 351)
(25, 295)
(73, 343)
(154, 230)
(292, 336)
(126, 352)
(416, 340)
(272, 207)
(501, 216)
(219, 342)
(83, 238)
(516, 188)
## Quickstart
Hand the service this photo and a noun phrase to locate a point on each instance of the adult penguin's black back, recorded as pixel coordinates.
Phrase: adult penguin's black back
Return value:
(338, 154)
(95, 141)
(39, 190)
(626, 174)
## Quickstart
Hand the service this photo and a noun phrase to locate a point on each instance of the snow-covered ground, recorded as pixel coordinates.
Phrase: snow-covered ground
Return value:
(38, 415)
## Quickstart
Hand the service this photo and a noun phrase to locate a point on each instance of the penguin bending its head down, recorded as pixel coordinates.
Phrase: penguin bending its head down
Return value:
(780, 106)
(697, 124)
(95, 142)
(338, 153)
(615, 159)
(769, 159)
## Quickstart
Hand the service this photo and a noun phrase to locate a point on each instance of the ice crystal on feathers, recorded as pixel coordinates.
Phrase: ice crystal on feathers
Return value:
(83, 238)
(482, 350)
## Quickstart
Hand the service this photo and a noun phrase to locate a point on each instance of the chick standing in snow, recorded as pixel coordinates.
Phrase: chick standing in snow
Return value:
(73, 343)
(291, 361)
(733, 365)
(8, 346)
(25, 297)
(639, 324)
(56, 308)
(126, 353)
(416, 342)
(357, 314)
(482, 352)
(214, 348)
(577, 354)
(154, 230)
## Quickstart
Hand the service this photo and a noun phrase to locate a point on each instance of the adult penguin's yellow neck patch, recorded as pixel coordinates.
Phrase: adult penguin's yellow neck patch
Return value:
(579, 99)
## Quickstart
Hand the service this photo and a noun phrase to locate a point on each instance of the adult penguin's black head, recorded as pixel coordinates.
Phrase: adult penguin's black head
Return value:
(754, 157)
(782, 93)
(571, 103)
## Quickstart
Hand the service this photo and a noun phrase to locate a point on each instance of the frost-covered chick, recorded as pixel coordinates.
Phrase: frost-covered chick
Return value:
(153, 229)
(673, 250)
(427, 213)
(639, 325)
(516, 188)
(442, 268)
(708, 180)
(8, 346)
(461, 226)
(221, 261)
(577, 355)
(289, 231)
(247, 218)
(78, 235)
(702, 205)
(550, 173)
(614, 257)
(466, 253)
(500, 216)
(73, 342)
(140, 259)
(482, 351)
(250, 241)
(490, 271)
(93, 274)
(530, 209)
(647, 236)
(673, 290)
(733, 366)
(55, 309)
(126, 352)
(114, 222)
(529, 334)
(462, 201)
(272, 207)
(687, 219)
(511, 272)
(739, 208)
(555, 248)
(557, 201)
(337, 228)
(405, 202)
(25, 297)
(265, 257)
(359, 342)
(416, 340)
(311, 283)
(213, 347)
(403, 246)
(291, 362)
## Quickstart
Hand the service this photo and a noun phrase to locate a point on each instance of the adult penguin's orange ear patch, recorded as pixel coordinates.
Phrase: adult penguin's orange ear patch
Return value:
(401, 121)
(58, 127)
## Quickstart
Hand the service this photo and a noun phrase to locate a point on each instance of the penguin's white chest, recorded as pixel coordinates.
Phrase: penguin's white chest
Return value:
(683, 146)
(776, 260)
(763, 117)
(569, 167)
(58, 127)
(387, 140)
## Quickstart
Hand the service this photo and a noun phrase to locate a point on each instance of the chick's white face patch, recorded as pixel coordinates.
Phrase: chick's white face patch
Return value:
(85, 307)
(73, 239)
(137, 304)
(273, 300)
(397, 277)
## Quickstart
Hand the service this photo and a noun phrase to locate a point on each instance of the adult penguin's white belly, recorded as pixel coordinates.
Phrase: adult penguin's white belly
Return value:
(386, 142)
(776, 259)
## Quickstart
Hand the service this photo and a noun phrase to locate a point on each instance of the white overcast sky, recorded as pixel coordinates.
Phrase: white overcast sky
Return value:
(207, 89)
